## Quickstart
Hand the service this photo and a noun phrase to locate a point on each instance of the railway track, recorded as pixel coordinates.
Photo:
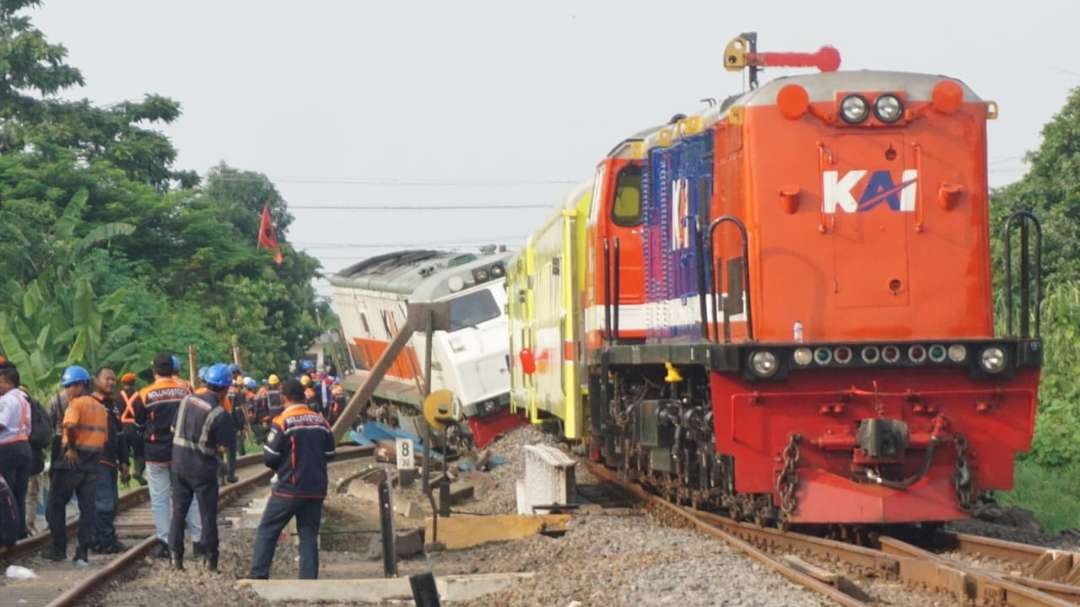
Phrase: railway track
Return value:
(869, 576)
(62, 584)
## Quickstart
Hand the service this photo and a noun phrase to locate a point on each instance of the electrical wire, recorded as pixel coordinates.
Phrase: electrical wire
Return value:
(396, 182)
(420, 207)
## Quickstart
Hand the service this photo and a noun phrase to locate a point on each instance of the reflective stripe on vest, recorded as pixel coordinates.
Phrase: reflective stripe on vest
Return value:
(199, 445)
(128, 416)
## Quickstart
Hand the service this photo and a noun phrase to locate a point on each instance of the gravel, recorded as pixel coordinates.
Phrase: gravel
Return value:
(635, 560)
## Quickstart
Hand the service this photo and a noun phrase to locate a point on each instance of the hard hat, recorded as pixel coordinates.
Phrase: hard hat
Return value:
(128, 378)
(305, 381)
(249, 383)
(274, 380)
(306, 365)
(175, 365)
(202, 372)
(234, 369)
(264, 381)
(74, 375)
(218, 376)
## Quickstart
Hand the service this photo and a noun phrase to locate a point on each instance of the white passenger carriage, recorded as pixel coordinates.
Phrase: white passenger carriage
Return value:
(471, 359)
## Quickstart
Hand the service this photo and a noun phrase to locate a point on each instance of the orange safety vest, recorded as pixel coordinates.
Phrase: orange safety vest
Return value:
(90, 421)
(128, 416)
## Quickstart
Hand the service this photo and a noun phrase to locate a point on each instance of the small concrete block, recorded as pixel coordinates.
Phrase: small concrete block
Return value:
(409, 542)
(460, 492)
(549, 477)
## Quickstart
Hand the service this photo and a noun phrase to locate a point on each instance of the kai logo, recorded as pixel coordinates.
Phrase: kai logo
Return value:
(837, 191)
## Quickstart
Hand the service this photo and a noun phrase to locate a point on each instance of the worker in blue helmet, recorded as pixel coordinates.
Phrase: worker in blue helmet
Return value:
(176, 373)
(204, 431)
(85, 429)
(201, 374)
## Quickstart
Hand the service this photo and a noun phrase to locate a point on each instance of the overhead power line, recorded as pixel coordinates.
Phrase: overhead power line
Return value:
(420, 207)
(364, 245)
(405, 182)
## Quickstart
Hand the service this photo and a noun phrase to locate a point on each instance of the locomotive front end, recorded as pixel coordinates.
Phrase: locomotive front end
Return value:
(871, 386)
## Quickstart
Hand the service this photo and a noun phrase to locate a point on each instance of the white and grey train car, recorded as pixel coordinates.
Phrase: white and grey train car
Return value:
(471, 359)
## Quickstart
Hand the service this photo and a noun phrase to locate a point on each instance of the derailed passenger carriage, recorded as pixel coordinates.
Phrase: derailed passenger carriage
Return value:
(470, 359)
(819, 341)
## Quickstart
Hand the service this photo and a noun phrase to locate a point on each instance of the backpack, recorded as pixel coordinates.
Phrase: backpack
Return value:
(40, 434)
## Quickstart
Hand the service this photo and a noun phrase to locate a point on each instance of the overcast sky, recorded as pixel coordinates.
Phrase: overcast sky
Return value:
(322, 94)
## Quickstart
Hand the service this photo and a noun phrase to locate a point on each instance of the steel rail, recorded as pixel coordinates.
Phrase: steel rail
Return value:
(122, 562)
(908, 563)
(746, 548)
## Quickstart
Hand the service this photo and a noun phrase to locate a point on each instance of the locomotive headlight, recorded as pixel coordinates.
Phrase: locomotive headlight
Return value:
(888, 108)
(497, 271)
(803, 356)
(957, 353)
(992, 359)
(764, 363)
(480, 275)
(937, 353)
(854, 109)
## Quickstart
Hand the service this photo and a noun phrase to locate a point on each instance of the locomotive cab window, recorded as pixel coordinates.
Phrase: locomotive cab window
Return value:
(626, 211)
(472, 309)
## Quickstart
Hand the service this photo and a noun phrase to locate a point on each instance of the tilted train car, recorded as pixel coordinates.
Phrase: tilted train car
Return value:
(819, 342)
(470, 359)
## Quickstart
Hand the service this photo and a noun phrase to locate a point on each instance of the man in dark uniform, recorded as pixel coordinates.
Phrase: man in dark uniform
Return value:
(113, 463)
(267, 407)
(298, 446)
(204, 431)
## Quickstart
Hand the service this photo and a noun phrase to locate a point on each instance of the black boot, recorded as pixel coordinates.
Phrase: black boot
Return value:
(162, 551)
(56, 553)
(177, 560)
(81, 555)
(211, 561)
(198, 550)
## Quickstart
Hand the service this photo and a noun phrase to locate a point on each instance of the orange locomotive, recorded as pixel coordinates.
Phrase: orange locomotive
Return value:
(813, 279)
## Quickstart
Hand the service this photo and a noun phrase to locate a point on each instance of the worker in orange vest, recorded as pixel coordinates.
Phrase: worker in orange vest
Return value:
(132, 431)
(85, 429)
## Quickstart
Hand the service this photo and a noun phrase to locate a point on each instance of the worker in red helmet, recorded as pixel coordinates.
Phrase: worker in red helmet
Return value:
(204, 432)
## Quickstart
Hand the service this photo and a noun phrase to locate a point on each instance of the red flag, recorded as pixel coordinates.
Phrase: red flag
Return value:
(267, 236)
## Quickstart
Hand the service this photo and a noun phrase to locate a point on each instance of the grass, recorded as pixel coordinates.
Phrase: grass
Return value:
(1053, 494)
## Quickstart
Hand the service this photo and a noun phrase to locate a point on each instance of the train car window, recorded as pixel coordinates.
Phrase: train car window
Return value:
(472, 309)
(626, 211)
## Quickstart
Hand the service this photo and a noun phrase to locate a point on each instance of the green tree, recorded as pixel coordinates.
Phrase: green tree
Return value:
(1051, 189)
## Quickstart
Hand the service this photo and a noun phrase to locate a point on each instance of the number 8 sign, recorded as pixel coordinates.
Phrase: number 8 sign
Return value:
(406, 456)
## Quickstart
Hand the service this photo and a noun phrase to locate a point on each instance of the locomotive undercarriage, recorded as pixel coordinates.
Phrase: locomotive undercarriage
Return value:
(659, 432)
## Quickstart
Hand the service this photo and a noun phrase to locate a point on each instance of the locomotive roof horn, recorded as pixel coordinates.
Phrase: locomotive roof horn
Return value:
(742, 53)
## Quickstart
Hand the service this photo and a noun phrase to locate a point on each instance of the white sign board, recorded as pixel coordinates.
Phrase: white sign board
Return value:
(406, 455)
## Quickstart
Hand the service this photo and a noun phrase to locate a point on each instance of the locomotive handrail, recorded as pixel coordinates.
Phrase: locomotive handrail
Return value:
(703, 303)
(616, 303)
(745, 271)
(1023, 219)
(607, 291)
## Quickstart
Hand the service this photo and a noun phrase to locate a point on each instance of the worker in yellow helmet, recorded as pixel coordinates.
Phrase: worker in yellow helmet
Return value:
(268, 406)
